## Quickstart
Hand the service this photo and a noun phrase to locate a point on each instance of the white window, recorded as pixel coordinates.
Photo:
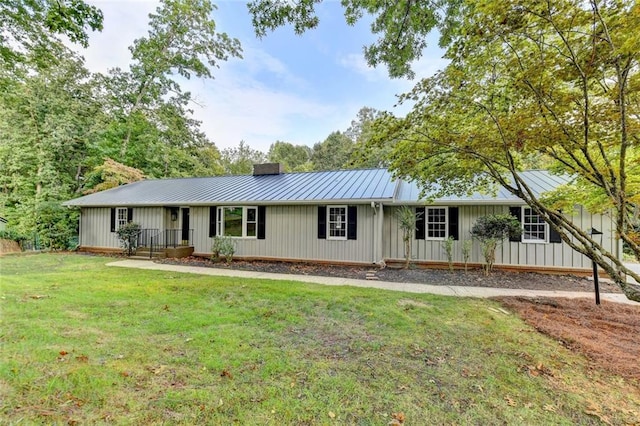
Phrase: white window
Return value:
(122, 216)
(436, 223)
(534, 229)
(239, 222)
(337, 222)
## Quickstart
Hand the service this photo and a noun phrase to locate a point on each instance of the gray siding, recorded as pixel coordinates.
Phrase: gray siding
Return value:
(515, 253)
(95, 224)
(291, 233)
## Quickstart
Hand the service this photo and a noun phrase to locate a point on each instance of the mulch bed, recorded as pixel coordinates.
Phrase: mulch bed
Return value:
(607, 334)
(472, 278)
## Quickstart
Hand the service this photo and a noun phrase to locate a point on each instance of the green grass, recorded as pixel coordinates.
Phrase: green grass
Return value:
(87, 343)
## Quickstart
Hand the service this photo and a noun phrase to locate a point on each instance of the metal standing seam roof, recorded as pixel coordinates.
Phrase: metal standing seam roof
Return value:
(342, 186)
(288, 188)
(539, 181)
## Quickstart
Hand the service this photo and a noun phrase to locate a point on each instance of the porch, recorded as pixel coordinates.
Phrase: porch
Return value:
(164, 243)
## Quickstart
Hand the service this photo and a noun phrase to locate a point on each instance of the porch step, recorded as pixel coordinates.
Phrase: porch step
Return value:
(143, 252)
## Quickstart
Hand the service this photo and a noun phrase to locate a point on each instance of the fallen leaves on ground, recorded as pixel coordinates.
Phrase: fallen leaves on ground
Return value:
(606, 333)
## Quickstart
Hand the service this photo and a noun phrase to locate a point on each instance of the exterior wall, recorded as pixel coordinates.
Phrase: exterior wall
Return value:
(558, 255)
(292, 233)
(95, 224)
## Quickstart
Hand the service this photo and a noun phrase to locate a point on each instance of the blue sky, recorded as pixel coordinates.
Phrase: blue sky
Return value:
(291, 88)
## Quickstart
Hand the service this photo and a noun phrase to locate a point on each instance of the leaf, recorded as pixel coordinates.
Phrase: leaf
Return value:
(332, 414)
(510, 401)
(226, 373)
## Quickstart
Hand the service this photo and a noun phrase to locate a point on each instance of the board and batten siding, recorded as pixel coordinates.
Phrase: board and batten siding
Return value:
(558, 255)
(292, 233)
(95, 223)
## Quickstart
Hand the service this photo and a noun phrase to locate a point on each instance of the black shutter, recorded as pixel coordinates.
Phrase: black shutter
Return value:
(352, 222)
(322, 222)
(554, 236)
(113, 220)
(453, 222)
(213, 211)
(129, 214)
(517, 213)
(420, 223)
(262, 220)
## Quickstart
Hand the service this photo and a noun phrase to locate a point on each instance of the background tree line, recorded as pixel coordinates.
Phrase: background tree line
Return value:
(65, 131)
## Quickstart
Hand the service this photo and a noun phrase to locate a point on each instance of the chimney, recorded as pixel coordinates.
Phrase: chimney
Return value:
(267, 169)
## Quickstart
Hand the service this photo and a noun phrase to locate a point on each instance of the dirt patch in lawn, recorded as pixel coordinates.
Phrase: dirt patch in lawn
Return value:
(8, 246)
(472, 278)
(607, 334)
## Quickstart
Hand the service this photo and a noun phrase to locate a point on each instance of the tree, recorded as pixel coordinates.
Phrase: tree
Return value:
(110, 174)
(407, 218)
(491, 231)
(366, 154)
(333, 153)
(402, 25)
(294, 158)
(46, 122)
(240, 160)
(28, 28)
(528, 78)
(182, 40)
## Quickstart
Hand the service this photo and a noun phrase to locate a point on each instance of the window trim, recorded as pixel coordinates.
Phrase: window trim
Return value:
(119, 222)
(522, 225)
(426, 223)
(345, 224)
(220, 228)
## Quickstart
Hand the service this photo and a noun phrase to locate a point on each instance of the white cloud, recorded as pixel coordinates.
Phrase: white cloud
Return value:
(357, 63)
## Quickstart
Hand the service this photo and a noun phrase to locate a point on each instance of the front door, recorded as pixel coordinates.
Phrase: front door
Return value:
(185, 225)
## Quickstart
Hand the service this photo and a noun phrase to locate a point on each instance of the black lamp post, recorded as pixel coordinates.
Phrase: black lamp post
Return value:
(593, 232)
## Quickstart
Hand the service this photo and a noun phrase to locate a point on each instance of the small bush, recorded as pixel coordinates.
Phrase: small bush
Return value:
(491, 231)
(223, 247)
(12, 235)
(447, 246)
(467, 245)
(128, 236)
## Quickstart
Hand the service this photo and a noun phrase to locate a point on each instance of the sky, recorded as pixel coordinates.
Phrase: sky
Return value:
(289, 88)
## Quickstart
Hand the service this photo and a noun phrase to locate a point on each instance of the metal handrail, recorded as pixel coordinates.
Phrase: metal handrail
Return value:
(169, 238)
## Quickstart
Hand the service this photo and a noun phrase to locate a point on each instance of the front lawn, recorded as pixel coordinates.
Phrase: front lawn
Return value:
(87, 343)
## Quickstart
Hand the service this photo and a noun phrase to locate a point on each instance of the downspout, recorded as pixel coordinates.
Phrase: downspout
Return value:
(374, 233)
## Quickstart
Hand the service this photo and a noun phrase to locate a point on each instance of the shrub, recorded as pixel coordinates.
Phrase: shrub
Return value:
(223, 246)
(491, 231)
(128, 236)
(467, 245)
(447, 246)
(407, 221)
(12, 235)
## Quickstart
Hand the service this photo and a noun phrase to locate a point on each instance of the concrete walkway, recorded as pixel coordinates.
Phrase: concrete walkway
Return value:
(482, 292)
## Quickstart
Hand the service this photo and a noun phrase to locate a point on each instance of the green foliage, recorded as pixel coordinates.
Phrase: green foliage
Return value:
(407, 217)
(401, 27)
(333, 153)
(223, 247)
(110, 174)
(240, 160)
(60, 125)
(467, 245)
(56, 226)
(294, 158)
(491, 231)
(447, 246)
(10, 234)
(29, 29)
(552, 84)
(366, 152)
(128, 236)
